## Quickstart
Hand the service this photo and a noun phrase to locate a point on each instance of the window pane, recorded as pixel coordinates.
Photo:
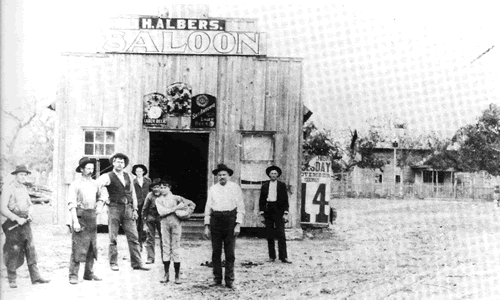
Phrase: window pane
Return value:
(110, 137)
(104, 166)
(99, 136)
(254, 172)
(257, 148)
(99, 149)
(110, 149)
(89, 149)
(89, 136)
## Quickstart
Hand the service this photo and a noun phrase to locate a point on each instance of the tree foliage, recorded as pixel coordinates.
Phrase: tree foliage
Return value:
(31, 138)
(344, 156)
(362, 154)
(318, 142)
(479, 144)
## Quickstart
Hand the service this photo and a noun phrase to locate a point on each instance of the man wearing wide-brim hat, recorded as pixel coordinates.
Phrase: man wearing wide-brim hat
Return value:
(273, 207)
(84, 204)
(224, 213)
(17, 207)
(121, 199)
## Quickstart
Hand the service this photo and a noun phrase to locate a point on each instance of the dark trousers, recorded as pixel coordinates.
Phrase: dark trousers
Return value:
(74, 266)
(153, 224)
(222, 230)
(140, 226)
(275, 229)
(18, 245)
(122, 215)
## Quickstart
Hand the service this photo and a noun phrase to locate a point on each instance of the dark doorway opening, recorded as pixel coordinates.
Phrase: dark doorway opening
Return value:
(182, 158)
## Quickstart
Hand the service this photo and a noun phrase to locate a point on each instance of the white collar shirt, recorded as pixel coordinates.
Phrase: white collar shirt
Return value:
(225, 198)
(273, 191)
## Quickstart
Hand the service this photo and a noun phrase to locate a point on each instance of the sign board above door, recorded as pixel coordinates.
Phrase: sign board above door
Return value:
(155, 35)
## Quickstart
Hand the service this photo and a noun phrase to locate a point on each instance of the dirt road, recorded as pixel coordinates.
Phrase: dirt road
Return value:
(378, 249)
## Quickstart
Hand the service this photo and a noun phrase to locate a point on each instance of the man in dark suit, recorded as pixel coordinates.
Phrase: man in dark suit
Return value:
(273, 207)
(141, 186)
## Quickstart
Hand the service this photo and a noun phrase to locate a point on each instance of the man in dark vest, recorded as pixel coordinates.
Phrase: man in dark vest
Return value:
(273, 207)
(122, 210)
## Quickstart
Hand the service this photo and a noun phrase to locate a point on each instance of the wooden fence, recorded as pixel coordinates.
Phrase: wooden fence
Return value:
(340, 189)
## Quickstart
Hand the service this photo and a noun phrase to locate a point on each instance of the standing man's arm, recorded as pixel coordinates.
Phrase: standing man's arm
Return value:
(4, 209)
(208, 208)
(240, 209)
(286, 205)
(145, 207)
(30, 209)
(72, 194)
(135, 215)
(262, 200)
(99, 201)
(102, 182)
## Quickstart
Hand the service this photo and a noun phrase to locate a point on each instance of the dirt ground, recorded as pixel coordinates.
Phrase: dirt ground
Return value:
(377, 249)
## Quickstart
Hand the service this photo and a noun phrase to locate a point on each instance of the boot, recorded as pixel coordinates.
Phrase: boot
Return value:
(11, 275)
(166, 266)
(177, 267)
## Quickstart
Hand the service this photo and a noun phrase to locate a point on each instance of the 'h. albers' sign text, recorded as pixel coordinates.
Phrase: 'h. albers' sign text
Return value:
(184, 36)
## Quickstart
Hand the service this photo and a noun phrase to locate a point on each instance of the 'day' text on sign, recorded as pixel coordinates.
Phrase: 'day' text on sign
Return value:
(316, 182)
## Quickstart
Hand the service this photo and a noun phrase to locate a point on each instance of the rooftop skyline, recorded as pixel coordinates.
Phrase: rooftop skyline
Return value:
(434, 69)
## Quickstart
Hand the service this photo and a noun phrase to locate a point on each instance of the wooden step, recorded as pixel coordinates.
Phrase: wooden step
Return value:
(193, 228)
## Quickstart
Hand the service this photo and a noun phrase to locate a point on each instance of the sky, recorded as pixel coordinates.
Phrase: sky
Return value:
(412, 62)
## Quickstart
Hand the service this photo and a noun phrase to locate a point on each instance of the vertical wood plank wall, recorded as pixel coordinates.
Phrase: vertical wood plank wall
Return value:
(253, 94)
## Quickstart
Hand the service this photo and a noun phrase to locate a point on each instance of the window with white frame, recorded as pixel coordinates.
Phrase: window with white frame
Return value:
(256, 155)
(99, 145)
(99, 142)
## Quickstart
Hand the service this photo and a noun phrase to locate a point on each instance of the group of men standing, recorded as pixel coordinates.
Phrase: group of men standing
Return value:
(126, 198)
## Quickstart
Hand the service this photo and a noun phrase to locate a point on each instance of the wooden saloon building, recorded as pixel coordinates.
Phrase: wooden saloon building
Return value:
(180, 94)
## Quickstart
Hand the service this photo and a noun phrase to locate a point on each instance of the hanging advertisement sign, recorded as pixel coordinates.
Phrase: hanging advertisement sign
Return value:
(155, 109)
(316, 182)
(159, 108)
(179, 99)
(203, 111)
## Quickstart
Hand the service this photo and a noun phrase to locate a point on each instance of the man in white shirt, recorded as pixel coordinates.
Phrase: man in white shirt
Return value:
(121, 199)
(84, 203)
(16, 206)
(224, 213)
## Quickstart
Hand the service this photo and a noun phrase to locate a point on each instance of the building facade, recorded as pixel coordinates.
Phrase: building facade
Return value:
(180, 100)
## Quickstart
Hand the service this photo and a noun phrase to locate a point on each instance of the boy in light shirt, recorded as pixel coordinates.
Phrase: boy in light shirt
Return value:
(171, 229)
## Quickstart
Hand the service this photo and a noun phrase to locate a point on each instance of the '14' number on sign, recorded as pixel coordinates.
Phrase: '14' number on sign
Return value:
(319, 199)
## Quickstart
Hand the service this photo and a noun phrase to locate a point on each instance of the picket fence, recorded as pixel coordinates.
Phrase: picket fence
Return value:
(341, 189)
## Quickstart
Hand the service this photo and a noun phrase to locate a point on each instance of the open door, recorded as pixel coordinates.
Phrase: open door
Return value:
(182, 158)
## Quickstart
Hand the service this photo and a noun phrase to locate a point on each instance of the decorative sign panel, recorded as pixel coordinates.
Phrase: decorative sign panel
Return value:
(158, 107)
(316, 181)
(203, 111)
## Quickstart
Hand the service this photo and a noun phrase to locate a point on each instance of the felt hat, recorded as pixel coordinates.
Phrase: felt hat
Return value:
(20, 169)
(167, 181)
(82, 163)
(155, 182)
(222, 167)
(119, 155)
(143, 167)
(273, 168)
